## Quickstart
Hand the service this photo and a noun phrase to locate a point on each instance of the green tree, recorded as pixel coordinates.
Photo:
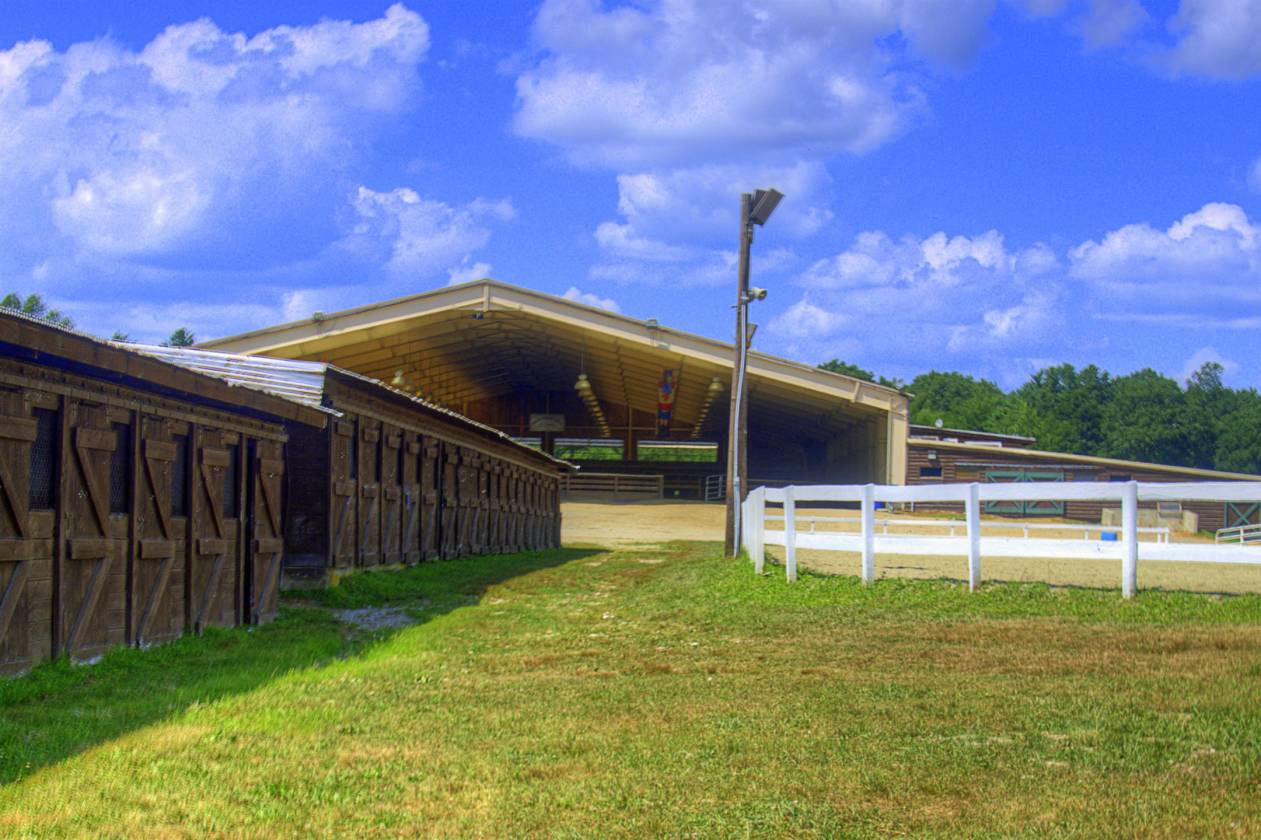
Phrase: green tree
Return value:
(1065, 408)
(1147, 420)
(120, 336)
(34, 306)
(956, 399)
(850, 369)
(1238, 444)
(180, 338)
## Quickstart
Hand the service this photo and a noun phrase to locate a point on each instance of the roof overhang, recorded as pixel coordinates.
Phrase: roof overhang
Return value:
(1091, 460)
(382, 324)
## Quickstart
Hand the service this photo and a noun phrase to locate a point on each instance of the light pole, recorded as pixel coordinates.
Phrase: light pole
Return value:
(755, 209)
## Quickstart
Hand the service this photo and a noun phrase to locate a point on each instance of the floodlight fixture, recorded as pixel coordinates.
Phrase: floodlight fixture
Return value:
(756, 293)
(764, 204)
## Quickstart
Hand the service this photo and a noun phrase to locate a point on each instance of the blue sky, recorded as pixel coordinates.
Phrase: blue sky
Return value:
(980, 185)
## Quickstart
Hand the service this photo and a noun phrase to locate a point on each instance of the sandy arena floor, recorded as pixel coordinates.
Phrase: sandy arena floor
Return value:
(629, 523)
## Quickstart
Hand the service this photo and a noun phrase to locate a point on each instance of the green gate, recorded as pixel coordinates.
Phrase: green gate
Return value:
(1242, 513)
(1021, 507)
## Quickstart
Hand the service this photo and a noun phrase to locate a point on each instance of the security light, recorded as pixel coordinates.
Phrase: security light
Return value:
(764, 204)
(756, 293)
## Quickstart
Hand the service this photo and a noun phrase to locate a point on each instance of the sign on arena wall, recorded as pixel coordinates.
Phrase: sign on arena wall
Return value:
(547, 422)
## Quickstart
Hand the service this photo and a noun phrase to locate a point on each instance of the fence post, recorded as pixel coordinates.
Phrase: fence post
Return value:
(790, 534)
(757, 525)
(869, 533)
(1129, 539)
(972, 508)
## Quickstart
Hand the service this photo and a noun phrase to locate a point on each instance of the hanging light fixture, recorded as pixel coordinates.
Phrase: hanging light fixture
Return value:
(587, 393)
(711, 394)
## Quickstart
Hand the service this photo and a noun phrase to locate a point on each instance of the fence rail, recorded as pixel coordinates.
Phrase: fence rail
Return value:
(1243, 534)
(583, 483)
(973, 545)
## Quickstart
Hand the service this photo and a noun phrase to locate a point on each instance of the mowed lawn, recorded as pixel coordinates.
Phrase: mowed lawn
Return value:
(658, 691)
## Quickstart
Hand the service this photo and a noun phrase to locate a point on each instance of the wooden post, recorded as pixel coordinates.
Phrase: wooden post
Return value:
(1129, 540)
(973, 510)
(790, 534)
(869, 533)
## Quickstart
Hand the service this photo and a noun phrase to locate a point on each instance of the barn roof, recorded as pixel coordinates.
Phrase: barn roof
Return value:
(1045, 458)
(305, 383)
(468, 344)
(42, 342)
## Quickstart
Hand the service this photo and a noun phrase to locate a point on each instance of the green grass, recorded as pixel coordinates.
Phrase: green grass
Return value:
(659, 691)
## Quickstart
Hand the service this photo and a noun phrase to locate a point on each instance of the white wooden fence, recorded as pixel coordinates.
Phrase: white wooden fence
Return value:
(972, 545)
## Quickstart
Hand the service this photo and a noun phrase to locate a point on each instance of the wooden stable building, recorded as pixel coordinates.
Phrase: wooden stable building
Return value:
(149, 492)
(937, 455)
(391, 478)
(141, 500)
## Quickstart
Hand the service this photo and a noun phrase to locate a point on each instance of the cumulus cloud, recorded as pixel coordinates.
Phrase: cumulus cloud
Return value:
(200, 140)
(676, 81)
(576, 294)
(1217, 38)
(422, 236)
(467, 271)
(1202, 357)
(1206, 265)
(1254, 175)
(893, 298)
(1108, 22)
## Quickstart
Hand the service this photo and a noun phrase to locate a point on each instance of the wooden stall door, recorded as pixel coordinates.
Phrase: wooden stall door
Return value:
(369, 492)
(345, 480)
(267, 547)
(452, 513)
(391, 495)
(28, 455)
(96, 495)
(495, 505)
(466, 476)
(517, 539)
(476, 540)
(214, 568)
(159, 553)
(410, 479)
(430, 487)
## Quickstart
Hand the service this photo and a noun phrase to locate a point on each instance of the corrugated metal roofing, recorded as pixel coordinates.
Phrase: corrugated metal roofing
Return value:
(301, 382)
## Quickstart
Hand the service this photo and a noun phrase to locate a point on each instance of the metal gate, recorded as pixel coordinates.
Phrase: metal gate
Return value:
(1021, 507)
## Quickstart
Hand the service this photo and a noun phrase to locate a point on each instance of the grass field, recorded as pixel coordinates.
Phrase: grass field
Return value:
(658, 691)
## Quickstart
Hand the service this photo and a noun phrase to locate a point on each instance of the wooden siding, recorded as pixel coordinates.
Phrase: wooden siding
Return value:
(123, 515)
(404, 485)
(958, 465)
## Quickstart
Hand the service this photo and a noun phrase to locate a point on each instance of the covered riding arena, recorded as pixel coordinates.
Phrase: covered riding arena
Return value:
(642, 408)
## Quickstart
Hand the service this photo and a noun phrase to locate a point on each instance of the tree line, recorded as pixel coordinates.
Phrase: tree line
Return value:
(1141, 416)
(35, 306)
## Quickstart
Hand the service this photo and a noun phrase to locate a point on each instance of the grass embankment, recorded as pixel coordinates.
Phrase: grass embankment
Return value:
(659, 691)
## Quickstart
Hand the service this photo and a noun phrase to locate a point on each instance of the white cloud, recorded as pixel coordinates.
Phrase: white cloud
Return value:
(1203, 356)
(680, 81)
(1206, 265)
(804, 320)
(1217, 38)
(576, 294)
(201, 141)
(914, 298)
(1254, 175)
(466, 272)
(1108, 22)
(423, 237)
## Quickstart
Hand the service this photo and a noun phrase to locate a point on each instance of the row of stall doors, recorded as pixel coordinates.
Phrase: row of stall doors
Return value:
(121, 528)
